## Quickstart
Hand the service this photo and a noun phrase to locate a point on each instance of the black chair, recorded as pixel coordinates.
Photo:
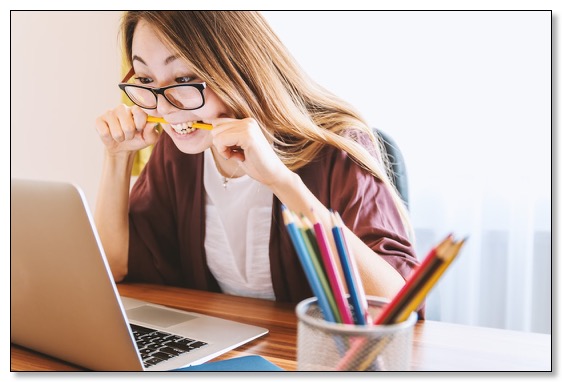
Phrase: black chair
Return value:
(397, 165)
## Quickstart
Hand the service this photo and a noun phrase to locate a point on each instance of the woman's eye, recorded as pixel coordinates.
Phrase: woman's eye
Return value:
(144, 80)
(184, 80)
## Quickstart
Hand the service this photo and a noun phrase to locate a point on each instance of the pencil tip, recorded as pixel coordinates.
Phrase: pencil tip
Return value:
(339, 219)
(333, 218)
(313, 216)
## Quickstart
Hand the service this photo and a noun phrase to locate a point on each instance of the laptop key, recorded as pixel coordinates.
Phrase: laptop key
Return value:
(154, 336)
(162, 355)
(172, 337)
(197, 344)
(172, 351)
(185, 341)
(145, 351)
(180, 346)
(153, 346)
(152, 361)
(142, 343)
(140, 329)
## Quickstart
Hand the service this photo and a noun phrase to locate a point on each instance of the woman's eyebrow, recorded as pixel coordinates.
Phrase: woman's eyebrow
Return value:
(170, 59)
(166, 61)
(137, 58)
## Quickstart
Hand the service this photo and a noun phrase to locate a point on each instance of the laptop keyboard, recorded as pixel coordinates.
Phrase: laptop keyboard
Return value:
(156, 346)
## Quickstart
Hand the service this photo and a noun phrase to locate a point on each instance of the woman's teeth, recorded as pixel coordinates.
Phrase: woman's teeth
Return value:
(183, 128)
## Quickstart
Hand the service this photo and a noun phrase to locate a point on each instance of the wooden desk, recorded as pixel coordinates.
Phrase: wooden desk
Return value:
(438, 346)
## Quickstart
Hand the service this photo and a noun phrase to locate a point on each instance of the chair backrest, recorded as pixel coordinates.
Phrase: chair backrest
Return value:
(397, 164)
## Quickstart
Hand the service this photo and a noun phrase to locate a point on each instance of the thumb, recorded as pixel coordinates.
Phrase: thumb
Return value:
(151, 135)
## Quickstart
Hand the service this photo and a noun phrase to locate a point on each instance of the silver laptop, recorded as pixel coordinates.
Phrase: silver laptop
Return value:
(64, 301)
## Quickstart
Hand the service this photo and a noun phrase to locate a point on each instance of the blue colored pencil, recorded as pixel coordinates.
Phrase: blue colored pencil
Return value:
(351, 274)
(307, 265)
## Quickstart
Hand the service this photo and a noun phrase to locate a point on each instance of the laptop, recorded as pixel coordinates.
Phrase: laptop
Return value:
(64, 302)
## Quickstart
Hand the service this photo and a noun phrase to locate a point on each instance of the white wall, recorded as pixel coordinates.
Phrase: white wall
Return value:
(465, 94)
(65, 69)
(447, 85)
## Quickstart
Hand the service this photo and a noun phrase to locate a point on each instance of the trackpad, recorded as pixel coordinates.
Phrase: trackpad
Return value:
(156, 316)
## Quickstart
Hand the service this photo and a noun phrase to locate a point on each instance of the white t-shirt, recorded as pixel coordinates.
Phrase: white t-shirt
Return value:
(238, 224)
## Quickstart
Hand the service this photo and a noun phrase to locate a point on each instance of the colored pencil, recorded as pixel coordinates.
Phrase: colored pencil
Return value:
(377, 349)
(359, 345)
(307, 265)
(429, 279)
(311, 243)
(332, 271)
(389, 313)
(448, 256)
(351, 274)
(408, 299)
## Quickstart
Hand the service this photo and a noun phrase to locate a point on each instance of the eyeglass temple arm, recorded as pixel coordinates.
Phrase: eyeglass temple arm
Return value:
(128, 75)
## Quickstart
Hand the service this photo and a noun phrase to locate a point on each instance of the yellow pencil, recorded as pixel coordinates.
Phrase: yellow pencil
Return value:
(373, 354)
(195, 125)
(448, 258)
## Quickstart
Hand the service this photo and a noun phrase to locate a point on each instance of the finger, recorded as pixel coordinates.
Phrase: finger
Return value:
(150, 135)
(222, 124)
(230, 135)
(139, 118)
(237, 153)
(103, 130)
(221, 119)
(230, 152)
(225, 142)
(126, 122)
(114, 126)
(222, 150)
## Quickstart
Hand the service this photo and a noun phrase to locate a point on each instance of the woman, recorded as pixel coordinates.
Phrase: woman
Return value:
(205, 213)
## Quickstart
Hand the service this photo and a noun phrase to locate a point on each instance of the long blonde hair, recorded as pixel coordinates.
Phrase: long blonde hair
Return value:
(243, 61)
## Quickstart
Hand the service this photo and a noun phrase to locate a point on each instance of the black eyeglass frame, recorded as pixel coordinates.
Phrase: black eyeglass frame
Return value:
(199, 86)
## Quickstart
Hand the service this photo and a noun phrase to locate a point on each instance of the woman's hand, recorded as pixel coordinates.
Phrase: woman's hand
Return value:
(124, 129)
(244, 141)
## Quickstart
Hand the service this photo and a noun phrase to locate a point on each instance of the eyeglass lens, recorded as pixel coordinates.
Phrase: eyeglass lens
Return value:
(183, 97)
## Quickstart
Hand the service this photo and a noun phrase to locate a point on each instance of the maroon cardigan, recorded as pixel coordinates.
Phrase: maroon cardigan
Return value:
(167, 221)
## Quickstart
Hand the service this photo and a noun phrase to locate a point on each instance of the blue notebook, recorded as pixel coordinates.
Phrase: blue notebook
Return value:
(245, 363)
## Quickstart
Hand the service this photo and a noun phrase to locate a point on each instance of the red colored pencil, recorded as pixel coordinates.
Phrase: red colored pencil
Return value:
(447, 257)
(431, 262)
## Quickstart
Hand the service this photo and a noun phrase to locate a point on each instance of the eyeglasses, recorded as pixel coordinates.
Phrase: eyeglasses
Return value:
(182, 96)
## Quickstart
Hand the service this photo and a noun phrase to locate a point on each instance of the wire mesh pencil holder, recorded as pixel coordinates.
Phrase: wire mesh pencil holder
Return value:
(327, 346)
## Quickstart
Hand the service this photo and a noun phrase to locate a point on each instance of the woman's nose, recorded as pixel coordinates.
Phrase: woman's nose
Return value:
(163, 106)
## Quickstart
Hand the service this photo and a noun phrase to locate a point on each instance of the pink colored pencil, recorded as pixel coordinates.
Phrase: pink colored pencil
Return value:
(332, 271)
